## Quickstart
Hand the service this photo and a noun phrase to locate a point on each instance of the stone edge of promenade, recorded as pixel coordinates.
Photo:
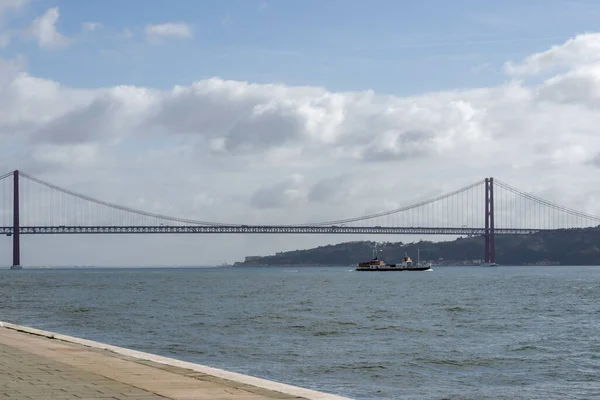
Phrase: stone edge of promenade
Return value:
(308, 394)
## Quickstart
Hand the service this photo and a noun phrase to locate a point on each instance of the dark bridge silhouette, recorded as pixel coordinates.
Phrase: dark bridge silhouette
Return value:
(489, 207)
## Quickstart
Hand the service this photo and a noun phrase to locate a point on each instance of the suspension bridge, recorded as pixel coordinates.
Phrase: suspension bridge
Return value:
(489, 207)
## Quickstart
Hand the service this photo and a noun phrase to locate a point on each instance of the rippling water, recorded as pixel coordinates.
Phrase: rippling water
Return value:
(468, 333)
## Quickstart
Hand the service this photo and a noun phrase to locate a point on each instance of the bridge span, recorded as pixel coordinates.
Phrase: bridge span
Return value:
(489, 207)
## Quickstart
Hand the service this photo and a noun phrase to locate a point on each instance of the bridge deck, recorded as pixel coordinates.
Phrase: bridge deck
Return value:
(33, 366)
(264, 229)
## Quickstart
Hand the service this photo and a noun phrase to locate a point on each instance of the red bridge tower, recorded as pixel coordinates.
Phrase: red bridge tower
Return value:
(490, 244)
(16, 226)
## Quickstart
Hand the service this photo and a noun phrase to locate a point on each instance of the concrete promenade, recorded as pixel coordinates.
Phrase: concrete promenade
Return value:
(37, 364)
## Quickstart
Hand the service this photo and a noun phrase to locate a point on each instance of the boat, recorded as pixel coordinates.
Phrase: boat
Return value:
(407, 264)
(492, 264)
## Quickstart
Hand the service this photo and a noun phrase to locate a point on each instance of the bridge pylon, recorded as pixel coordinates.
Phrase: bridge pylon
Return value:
(490, 243)
(16, 225)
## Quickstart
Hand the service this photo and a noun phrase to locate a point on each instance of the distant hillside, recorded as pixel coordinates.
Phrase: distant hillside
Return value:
(565, 247)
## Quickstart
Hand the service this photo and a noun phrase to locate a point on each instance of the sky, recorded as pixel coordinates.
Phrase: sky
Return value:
(291, 111)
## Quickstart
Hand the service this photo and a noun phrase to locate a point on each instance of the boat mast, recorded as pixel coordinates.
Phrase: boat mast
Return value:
(418, 255)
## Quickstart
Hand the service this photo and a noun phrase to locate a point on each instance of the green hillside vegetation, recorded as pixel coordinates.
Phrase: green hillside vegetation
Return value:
(565, 247)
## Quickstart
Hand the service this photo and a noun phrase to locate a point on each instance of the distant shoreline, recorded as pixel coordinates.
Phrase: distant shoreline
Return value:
(577, 246)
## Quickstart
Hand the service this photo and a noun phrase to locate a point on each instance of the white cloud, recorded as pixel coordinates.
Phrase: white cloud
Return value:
(91, 26)
(75, 155)
(11, 4)
(234, 151)
(43, 29)
(582, 49)
(280, 195)
(338, 189)
(6, 6)
(177, 30)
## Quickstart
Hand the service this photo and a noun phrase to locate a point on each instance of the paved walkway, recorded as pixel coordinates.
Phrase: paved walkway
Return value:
(38, 367)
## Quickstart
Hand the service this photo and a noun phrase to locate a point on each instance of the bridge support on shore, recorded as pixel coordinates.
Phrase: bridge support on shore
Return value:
(490, 244)
(16, 227)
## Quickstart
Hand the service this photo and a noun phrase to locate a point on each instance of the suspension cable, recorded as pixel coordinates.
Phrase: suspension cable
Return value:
(122, 208)
(397, 210)
(6, 175)
(546, 202)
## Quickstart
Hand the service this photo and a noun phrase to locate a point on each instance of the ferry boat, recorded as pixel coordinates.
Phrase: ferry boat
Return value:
(379, 265)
